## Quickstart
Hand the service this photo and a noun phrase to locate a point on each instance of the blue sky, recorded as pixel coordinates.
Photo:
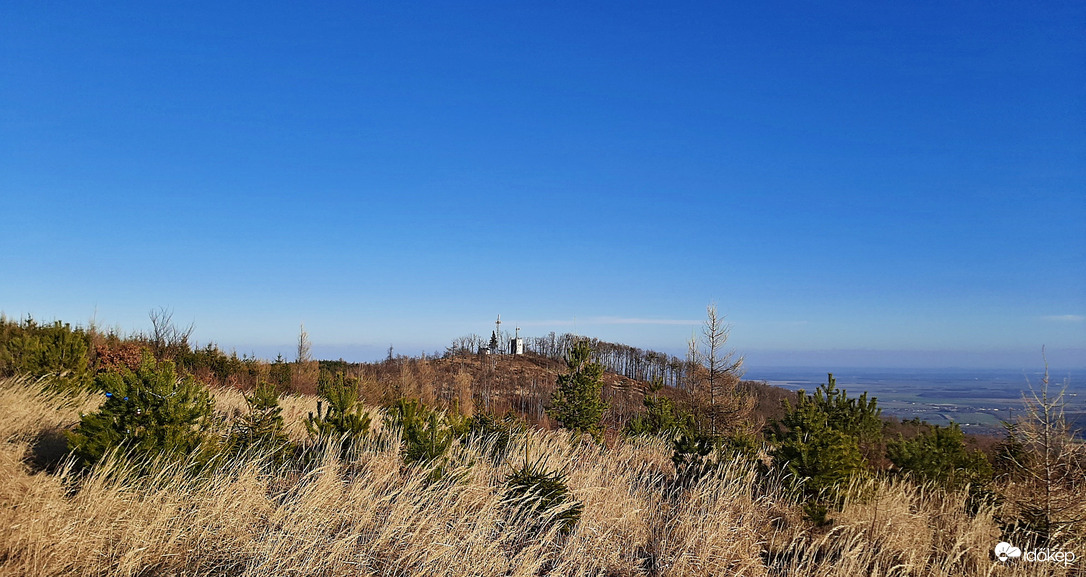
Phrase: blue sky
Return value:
(897, 185)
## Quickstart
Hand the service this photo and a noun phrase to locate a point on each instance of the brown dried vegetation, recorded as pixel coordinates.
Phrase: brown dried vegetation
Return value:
(368, 514)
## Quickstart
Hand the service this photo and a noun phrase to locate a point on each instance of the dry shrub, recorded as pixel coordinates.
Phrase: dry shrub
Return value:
(117, 355)
(303, 377)
(462, 394)
(894, 527)
(369, 514)
(716, 527)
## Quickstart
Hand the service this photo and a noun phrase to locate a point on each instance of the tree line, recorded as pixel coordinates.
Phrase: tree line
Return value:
(626, 360)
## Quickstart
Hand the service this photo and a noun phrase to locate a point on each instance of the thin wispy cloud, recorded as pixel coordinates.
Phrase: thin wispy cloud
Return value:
(637, 321)
(1065, 318)
(612, 321)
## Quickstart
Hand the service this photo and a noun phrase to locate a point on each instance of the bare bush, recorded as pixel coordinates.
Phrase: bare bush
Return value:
(167, 339)
(1047, 477)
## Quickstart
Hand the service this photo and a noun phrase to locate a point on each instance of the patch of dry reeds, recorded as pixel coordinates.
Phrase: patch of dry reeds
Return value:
(369, 514)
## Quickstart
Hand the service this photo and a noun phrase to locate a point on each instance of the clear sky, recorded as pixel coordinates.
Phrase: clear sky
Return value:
(899, 184)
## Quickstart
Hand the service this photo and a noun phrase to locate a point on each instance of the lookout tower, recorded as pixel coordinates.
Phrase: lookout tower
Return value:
(516, 347)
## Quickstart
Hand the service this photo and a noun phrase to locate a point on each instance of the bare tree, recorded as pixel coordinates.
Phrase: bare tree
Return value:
(305, 371)
(305, 353)
(167, 339)
(693, 364)
(1051, 465)
(719, 373)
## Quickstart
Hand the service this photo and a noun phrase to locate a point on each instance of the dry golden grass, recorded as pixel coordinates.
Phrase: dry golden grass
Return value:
(370, 515)
(230, 401)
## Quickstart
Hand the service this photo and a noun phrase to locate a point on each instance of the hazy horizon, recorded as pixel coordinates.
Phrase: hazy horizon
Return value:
(755, 358)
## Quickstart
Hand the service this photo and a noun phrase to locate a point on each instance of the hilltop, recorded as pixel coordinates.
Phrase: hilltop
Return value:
(143, 455)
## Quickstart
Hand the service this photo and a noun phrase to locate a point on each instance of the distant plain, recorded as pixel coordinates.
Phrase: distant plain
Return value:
(977, 399)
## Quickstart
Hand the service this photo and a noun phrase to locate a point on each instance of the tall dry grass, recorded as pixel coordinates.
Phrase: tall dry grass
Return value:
(368, 514)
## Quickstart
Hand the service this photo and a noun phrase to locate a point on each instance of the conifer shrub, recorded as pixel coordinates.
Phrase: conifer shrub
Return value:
(939, 455)
(458, 423)
(340, 415)
(426, 435)
(498, 431)
(578, 402)
(696, 456)
(279, 374)
(662, 416)
(817, 444)
(261, 428)
(149, 412)
(212, 365)
(407, 414)
(427, 441)
(540, 499)
(55, 351)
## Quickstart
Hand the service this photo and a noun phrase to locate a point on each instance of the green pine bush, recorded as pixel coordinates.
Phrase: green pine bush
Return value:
(938, 454)
(498, 431)
(149, 412)
(279, 374)
(540, 499)
(426, 435)
(818, 443)
(340, 415)
(407, 414)
(262, 427)
(427, 441)
(697, 455)
(694, 457)
(662, 416)
(578, 400)
(56, 351)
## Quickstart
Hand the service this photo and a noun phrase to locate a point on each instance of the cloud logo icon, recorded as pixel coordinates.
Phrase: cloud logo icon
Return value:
(1005, 551)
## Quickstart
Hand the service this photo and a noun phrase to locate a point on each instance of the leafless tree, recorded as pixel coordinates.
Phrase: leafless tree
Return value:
(719, 371)
(1051, 465)
(167, 339)
(305, 371)
(692, 367)
(305, 353)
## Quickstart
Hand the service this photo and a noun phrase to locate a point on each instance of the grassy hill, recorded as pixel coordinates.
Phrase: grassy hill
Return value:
(454, 466)
(369, 514)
